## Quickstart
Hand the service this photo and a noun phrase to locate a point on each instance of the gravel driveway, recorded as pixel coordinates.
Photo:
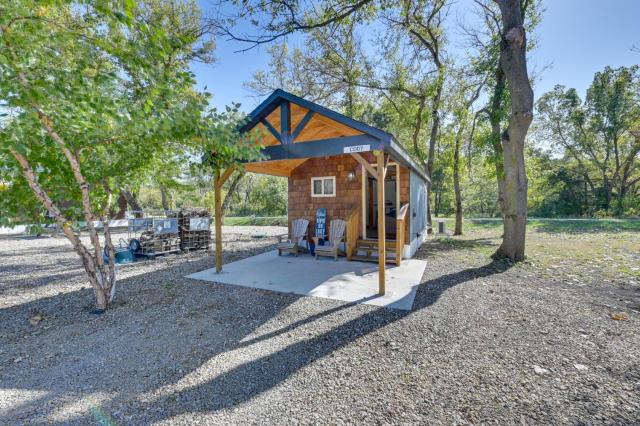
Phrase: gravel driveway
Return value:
(486, 342)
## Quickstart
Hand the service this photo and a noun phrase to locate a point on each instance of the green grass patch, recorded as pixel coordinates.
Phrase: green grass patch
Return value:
(256, 221)
(576, 226)
(574, 250)
(627, 270)
(568, 226)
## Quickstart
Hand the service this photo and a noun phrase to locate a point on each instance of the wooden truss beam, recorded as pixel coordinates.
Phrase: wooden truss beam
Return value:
(226, 175)
(368, 167)
(303, 123)
(271, 129)
(285, 123)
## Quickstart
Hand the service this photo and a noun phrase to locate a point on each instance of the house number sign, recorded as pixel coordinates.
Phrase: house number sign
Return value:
(356, 148)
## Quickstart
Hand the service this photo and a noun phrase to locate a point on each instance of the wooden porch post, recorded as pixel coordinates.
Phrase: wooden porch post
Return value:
(382, 256)
(218, 220)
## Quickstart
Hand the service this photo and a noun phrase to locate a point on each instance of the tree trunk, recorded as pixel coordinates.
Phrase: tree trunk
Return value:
(232, 189)
(433, 138)
(456, 182)
(606, 183)
(133, 202)
(164, 198)
(495, 119)
(101, 282)
(515, 200)
(456, 156)
(513, 49)
(437, 197)
(416, 130)
(122, 207)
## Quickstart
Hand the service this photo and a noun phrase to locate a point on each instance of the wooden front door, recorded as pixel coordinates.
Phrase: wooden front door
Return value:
(392, 203)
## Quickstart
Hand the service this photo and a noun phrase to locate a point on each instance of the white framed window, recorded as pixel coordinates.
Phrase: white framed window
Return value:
(324, 186)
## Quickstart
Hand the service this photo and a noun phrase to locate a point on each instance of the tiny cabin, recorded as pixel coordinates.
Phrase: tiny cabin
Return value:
(354, 171)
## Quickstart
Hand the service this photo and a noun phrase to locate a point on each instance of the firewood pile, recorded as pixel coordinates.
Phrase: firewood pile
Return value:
(152, 243)
(194, 229)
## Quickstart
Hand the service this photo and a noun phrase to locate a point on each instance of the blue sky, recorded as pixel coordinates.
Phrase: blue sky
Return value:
(576, 39)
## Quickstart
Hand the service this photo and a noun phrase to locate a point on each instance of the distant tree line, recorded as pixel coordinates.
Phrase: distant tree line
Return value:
(582, 156)
(451, 112)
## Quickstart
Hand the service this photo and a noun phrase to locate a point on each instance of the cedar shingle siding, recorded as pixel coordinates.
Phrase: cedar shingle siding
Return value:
(348, 194)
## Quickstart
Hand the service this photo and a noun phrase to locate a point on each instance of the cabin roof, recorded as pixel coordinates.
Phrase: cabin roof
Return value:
(312, 130)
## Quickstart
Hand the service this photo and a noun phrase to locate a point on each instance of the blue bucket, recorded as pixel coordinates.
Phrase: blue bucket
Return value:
(123, 255)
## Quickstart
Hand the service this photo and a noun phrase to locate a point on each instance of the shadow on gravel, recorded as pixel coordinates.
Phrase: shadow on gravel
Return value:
(161, 328)
(20, 254)
(45, 275)
(164, 332)
(253, 378)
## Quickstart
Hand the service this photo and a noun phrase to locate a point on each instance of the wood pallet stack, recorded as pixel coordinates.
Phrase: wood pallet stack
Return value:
(152, 244)
(194, 234)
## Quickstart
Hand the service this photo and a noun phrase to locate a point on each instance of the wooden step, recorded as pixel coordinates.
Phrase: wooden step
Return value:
(388, 248)
(374, 242)
(371, 259)
(369, 251)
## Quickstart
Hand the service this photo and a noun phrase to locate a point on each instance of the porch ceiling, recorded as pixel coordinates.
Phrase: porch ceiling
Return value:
(275, 167)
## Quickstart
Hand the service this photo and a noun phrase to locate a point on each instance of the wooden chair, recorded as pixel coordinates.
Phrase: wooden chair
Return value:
(299, 229)
(336, 236)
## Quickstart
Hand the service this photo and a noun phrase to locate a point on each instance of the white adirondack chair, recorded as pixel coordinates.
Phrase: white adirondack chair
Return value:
(336, 236)
(295, 240)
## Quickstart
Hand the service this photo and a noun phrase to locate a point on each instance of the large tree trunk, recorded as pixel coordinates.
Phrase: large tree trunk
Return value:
(456, 181)
(513, 60)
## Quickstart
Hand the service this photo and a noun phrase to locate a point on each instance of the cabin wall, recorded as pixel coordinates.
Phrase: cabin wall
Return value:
(348, 193)
(418, 212)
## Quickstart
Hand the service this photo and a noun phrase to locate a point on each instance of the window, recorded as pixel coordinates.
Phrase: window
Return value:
(323, 186)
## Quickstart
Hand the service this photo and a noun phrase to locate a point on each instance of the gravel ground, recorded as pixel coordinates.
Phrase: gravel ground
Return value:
(486, 342)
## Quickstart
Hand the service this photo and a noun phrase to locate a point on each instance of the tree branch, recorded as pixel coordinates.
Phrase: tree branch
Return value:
(291, 25)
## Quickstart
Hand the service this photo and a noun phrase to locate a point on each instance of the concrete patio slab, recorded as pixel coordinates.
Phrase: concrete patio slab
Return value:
(342, 280)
